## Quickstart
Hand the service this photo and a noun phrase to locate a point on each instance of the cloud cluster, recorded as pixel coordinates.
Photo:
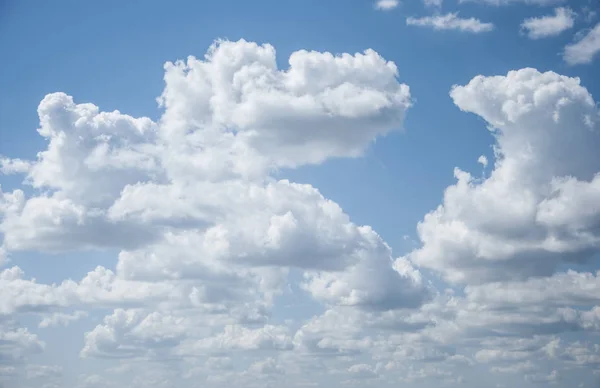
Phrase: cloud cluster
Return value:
(213, 250)
(189, 202)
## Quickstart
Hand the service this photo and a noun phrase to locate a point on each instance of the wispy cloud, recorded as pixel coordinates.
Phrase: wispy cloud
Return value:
(451, 21)
(550, 25)
(433, 3)
(583, 50)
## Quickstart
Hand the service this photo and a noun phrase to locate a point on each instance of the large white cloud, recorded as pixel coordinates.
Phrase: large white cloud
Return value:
(516, 221)
(189, 196)
(322, 106)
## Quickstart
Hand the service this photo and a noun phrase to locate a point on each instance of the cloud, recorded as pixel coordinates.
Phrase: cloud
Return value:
(213, 250)
(386, 5)
(197, 183)
(98, 288)
(512, 2)
(13, 166)
(551, 25)
(433, 3)
(134, 333)
(62, 319)
(552, 377)
(17, 344)
(236, 337)
(44, 372)
(515, 223)
(585, 49)
(451, 21)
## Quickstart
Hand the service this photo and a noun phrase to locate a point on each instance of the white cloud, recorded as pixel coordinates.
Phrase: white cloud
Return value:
(236, 337)
(61, 319)
(322, 106)
(17, 344)
(451, 21)
(197, 183)
(214, 252)
(514, 223)
(13, 166)
(551, 25)
(99, 287)
(585, 49)
(482, 160)
(386, 5)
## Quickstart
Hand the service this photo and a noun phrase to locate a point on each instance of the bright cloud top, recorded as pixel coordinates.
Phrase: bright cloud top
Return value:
(451, 21)
(551, 25)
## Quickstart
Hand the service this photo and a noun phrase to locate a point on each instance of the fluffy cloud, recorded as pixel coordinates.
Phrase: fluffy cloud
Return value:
(451, 21)
(585, 49)
(134, 333)
(190, 197)
(322, 106)
(515, 223)
(213, 249)
(551, 25)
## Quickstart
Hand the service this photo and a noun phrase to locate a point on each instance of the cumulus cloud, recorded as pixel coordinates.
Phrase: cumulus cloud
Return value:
(584, 50)
(213, 249)
(551, 25)
(207, 238)
(197, 182)
(515, 223)
(451, 21)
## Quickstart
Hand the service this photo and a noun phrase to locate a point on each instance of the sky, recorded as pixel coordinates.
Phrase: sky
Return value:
(280, 193)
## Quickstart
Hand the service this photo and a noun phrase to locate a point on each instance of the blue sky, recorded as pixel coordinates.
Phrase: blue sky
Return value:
(226, 272)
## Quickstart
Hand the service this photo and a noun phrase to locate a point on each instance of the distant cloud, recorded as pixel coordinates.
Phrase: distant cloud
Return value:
(386, 5)
(550, 25)
(451, 21)
(433, 3)
(507, 2)
(583, 50)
